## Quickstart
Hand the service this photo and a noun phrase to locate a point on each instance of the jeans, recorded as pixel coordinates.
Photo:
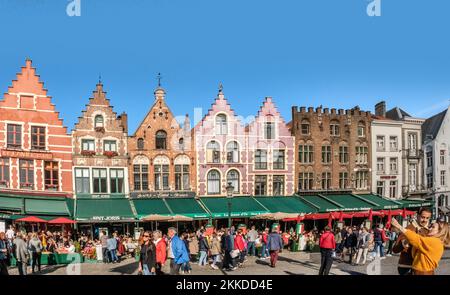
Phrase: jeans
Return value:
(362, 252)
(326, 261)
(379, 248)
(146, 271)
(113, 255)
(264, 251)
(105, 254)
(215, 258)
(186, 267)
(36, 260)
(203, 258)
(251, 249)
(350, 251)
(22, 266)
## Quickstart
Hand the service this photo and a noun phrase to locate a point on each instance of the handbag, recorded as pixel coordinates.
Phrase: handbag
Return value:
(235, 253)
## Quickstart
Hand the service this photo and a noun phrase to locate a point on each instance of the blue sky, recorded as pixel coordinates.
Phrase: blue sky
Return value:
(300, 52)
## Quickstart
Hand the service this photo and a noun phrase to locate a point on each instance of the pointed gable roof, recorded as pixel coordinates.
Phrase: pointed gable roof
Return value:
(397, 114)
(27, 81)
(432, 125)
(99, 99)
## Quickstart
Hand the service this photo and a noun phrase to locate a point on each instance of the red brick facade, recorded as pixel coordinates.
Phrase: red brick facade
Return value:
(35, 148)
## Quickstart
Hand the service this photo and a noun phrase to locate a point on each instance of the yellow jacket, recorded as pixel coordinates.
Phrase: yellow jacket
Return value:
(426, 251)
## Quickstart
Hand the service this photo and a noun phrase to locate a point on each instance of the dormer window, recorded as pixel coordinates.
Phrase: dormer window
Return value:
(221, 124)
(160, 141)
(140, 144)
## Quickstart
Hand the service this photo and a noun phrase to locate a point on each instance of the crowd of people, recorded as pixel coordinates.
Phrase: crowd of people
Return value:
(420, 246)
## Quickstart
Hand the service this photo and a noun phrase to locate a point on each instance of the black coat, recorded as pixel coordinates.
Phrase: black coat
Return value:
(203, 244)
(148, 255)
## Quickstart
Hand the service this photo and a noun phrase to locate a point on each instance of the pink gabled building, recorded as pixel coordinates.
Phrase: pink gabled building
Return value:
(270, 170)
(220, 149)
(257, 159)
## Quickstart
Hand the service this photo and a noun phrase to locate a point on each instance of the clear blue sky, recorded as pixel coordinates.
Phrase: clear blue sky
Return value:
(300, 52)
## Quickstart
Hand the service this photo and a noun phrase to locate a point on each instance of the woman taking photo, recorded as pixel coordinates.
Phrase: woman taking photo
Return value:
(147, 260)
(427, 250)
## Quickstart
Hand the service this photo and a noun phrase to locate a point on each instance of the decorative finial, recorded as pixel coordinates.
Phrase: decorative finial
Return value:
(220, 87)
(99, 78)
(159, 79)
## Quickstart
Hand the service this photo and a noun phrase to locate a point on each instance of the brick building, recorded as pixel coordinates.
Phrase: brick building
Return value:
(161, 160)
(333, 149)
(35, 148)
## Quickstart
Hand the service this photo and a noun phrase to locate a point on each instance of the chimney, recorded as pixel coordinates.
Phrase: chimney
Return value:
(123, 118)
(380, 109)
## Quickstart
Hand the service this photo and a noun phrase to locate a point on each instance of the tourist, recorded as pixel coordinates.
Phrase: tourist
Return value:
(239, 244)
(215, 249)
(204, 248)
(51, 245)
(178, 251)
(35, 246)
(104, 241)
(264, 249)
(193, 246)
(21, 253)
(327, 245)
(428, 250)
(147, 259)
(228, 248)
(3, 254)
(362, 246)
(379, 236)
(112, 246)
(349, 245)
(275, 245)
(392, 236)
(252, 235)
(161, 251)
(186, 267)
(10, 234)
(401, 245)
(338, 239)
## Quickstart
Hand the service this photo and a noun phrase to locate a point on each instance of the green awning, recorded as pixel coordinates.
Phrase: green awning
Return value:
(11, 203)
(46, 207)
(100, 210)
(145, 207)
(188, 207)
(350, 202)
(321, 204)
(415, 203)
(285, 204)
(240, 206)
(382, 203)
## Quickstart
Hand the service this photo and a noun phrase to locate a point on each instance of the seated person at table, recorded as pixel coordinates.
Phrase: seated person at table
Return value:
(71, 247)
(51, 245)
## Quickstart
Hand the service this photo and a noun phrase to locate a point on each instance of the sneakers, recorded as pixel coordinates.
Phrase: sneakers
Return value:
(214, 266)
(388, 255)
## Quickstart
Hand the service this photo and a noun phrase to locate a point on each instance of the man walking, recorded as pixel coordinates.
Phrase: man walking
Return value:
(274, 244)
(252, 236)
(179, 251)
(379, 237)
(327, 245)
(104, 241)
(21, 254)
(35, 246)
(112, 248)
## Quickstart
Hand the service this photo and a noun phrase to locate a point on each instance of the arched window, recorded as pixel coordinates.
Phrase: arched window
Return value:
(232, 152)
(213, 185)
(160, 141)
(140, 143)
(213, 152)
(181, 143)
(98, 121)
(221, 124)
(233, 179)
(305, 127)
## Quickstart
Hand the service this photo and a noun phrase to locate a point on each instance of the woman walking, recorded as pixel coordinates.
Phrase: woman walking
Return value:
(274, 244)
(215, 250)
(327, 245)
(363, 246)
(204, 248)
(147, 260)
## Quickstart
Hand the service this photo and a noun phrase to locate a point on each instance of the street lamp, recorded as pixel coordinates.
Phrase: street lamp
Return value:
(230, 190)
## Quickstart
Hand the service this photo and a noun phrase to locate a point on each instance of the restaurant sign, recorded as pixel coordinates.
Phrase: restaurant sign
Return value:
(148, 194)
(26, 155)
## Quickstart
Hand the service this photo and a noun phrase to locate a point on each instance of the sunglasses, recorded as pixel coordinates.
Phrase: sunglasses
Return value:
(146, 236)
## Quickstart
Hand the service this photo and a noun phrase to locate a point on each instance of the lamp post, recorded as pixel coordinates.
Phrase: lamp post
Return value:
(230, 190)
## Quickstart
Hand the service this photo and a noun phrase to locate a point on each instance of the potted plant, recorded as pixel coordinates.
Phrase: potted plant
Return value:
(88, 153)
(100, 129)
(110, 154)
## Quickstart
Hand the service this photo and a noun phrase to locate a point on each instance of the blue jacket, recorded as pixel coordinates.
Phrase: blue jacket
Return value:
(179, 250)
(111, 244)
(274, 242)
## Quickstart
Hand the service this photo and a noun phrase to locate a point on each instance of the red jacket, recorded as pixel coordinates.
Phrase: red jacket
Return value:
(161, 251)
(264, 238)
(327, 241)
(239, 243)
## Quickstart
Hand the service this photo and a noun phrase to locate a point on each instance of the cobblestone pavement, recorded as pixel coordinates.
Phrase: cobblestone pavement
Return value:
(288, 264)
